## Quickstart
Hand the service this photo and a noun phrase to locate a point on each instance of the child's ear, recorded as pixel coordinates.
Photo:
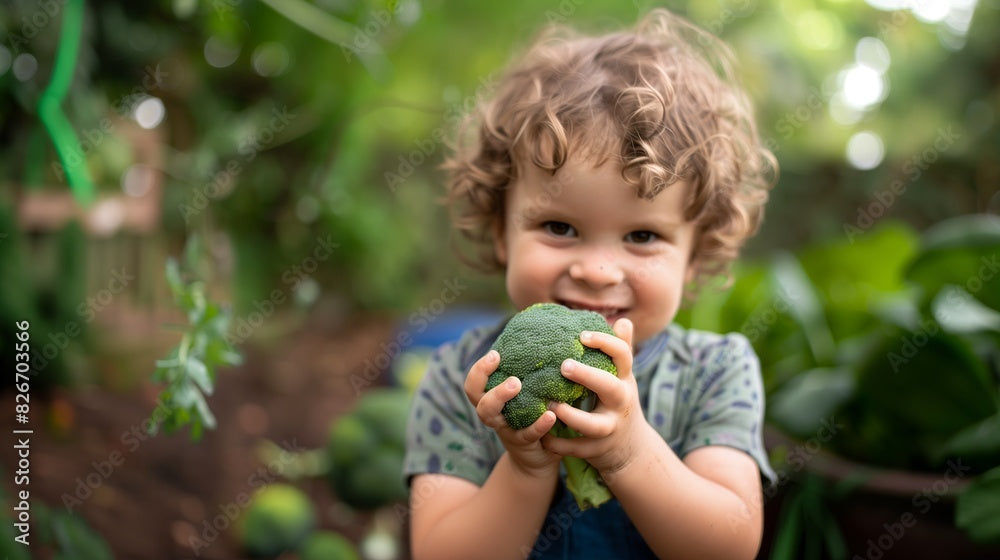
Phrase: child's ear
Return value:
(499, 242)
(694, 262)
(691, 273)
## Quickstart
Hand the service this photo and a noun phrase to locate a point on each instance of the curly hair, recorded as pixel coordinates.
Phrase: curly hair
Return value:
(662, 100)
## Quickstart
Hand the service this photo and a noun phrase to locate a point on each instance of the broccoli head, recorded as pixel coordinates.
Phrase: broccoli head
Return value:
(532, 346)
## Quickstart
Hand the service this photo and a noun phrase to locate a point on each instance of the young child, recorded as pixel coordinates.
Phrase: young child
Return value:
(607, 173)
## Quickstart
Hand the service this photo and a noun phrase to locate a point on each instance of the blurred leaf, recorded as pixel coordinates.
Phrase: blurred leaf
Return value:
(801, 404)
(914, 390)
(738, 308)
(963, 251)
(183, 396)
(851, 276)
(805, 307)
(70, 536)
(981, 439)
(806, 528)
(205, 416)
(959, 312)
(193, 250)
(173, 276)
(167, 364)
(198, 373)
(977, 510)
(787, 532)
(312, 18)
(10, 548)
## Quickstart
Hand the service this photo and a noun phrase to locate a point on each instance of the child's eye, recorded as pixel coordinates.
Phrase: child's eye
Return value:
(560, 229)
(641, 237)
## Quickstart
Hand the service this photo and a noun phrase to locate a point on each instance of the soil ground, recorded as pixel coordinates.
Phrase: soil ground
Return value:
(159, 497)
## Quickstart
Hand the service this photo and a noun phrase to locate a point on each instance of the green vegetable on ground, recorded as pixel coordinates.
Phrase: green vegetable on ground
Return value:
(277, 520)
(532, 346)
(327, 545)
(366, 448)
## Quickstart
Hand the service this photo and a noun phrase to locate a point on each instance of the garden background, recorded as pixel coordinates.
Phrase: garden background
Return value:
(220, 222)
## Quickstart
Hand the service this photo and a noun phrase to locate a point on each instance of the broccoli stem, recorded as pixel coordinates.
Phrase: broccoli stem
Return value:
(582, 479)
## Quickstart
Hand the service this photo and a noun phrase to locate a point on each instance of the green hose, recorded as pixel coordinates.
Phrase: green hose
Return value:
(55, 122)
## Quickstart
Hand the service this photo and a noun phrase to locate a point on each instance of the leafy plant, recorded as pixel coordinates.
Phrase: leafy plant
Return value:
(896, 336)
(65, 535)
(190, 370)
(808, 530)
(71, 536)
(976, 511)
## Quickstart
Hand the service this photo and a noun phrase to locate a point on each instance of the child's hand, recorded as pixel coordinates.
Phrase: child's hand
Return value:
(613, 433)
(523, 446)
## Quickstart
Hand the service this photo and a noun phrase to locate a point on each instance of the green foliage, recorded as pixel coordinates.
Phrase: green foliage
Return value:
(977, 510)
(366, 447)
(978, 444)
(926, 383)
(373, 89)
(807, 530)
(961, 252)
(809, 397)
(896, 337)
(65, 535)
(278, 519)
(190, 370)
(70, 535)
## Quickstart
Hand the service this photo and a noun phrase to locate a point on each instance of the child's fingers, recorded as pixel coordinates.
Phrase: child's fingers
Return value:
(490, 406)
(624, 329)
(490, 411)
(582, 447)
(609, 389)
(475, 382)
(618, 346)
(587, 424)
(538, 429)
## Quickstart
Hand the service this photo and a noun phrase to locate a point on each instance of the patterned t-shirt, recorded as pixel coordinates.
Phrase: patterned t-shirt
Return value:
(696, 389)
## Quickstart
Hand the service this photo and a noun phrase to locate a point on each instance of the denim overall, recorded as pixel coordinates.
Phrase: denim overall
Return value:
(597, 533)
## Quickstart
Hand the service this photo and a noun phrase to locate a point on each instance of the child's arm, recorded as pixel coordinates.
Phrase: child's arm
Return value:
(454, 518)
(707, 506)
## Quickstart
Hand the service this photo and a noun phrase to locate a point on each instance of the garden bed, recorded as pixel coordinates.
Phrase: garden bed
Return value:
(165, 497)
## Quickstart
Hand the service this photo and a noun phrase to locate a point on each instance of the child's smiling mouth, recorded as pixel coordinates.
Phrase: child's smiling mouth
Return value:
(611, 313)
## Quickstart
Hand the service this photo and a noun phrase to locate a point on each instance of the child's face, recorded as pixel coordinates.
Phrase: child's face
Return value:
(584, 238)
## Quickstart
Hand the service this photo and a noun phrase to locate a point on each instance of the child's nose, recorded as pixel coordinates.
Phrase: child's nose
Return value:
(597, 270)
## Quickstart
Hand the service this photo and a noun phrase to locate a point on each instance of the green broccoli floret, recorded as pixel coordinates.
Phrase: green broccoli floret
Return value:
(532, 347)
